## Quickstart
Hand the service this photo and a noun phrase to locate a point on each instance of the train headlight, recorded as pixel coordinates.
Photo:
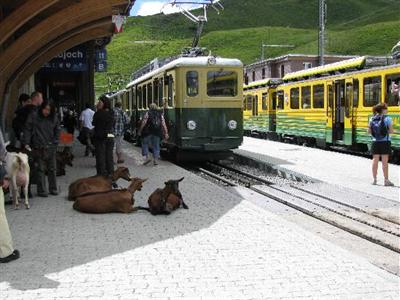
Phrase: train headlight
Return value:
(232, 124)
(191, 125)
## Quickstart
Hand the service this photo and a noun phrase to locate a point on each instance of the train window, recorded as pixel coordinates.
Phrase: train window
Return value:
(356, 92)
(139, 98)
(393, 90)
(161, 93)
(318, 96)
(192, 83)
(330, 96)
(222, 83)
(249, 102)
(349, 95)
(294, 98)
(281, 100)
(170, 91)
(149, 94)
(144, 91)
(372, 91)
(156, 90)
(264, 101)
(274, 101)
(306, 97)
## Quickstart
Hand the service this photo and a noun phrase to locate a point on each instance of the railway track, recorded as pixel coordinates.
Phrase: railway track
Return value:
(377, 229)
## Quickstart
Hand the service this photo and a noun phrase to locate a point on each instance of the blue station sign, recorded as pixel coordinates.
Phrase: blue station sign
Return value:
(74, 59)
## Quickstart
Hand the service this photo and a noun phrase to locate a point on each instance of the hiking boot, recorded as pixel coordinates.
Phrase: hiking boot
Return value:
(147, 162)
(155, 162)
(388, 183)
(54, 193)
(11, 257)
(374, 182)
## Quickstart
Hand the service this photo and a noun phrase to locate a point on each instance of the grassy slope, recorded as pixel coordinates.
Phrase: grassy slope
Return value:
(354, 27)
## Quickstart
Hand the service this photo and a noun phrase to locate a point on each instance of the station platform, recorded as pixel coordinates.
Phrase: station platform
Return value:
(223, 247)
(343, 170)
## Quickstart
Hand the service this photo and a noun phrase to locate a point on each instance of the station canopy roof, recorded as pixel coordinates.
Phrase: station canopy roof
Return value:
(32, 32)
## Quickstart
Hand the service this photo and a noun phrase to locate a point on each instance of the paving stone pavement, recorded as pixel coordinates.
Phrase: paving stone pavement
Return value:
(223, 247)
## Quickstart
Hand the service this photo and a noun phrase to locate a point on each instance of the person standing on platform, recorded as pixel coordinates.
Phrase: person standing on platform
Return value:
(380, 128)
(7, 251)
(121, 121)
(103, 135)
(41, 136)
(86, 120)
(152, 130)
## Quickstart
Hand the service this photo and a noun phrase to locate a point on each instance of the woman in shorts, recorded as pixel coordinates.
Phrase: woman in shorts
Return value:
(380, 128)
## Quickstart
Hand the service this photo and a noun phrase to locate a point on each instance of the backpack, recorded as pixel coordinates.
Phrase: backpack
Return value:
(154, 122)
(379, 129)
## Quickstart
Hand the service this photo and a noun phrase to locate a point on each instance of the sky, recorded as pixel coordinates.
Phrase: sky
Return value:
(151, 7)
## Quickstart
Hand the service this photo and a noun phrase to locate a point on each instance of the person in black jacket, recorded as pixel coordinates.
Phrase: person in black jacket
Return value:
(103, 122)
(41, 135)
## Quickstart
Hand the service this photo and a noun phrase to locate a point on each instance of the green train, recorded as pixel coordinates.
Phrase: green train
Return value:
(201, 98)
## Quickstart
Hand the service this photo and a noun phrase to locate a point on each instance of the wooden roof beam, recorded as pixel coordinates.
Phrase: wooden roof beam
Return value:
(63, 21)
(21, 15)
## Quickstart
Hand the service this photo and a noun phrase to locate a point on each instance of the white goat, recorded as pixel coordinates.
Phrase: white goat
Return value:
(17, 168)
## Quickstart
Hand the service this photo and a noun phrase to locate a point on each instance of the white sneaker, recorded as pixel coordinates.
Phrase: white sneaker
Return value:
(388, 183)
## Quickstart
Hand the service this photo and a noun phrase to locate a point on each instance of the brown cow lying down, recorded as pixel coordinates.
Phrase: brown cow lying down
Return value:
(112, 201)
(96, 184)
(164, 201)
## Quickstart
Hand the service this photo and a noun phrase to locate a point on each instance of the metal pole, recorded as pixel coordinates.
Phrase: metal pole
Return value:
(321, 37)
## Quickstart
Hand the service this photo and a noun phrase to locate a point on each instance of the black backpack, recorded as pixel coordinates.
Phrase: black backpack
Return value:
(154, 122)
(379, 129)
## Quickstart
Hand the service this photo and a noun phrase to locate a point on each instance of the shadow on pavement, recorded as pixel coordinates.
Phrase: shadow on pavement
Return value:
(52, 237)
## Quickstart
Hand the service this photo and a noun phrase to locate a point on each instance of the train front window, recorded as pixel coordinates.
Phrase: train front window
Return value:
(192, 83)
(306, 97)
(372, 91)
(393, 90)
(222, 84)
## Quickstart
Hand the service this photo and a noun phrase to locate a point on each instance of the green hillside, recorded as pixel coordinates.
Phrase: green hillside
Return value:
(369, 27)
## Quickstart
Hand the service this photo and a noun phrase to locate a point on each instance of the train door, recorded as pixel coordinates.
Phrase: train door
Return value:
(348, 113)
(329, 113)
(272, 112)
(339, 111)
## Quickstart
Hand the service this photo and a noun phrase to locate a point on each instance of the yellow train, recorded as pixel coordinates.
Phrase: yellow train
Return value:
(324, 106)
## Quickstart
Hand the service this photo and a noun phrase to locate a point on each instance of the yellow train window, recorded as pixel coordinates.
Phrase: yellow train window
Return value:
(294, 98)
(249, 103)
(306, 97)
(318, 96)
(356, 92)
(281, 100)
(372, 91)
(264, 101)
(392, 97)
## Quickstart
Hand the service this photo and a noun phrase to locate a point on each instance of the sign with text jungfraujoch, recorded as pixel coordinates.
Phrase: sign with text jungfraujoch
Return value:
(74, 59)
